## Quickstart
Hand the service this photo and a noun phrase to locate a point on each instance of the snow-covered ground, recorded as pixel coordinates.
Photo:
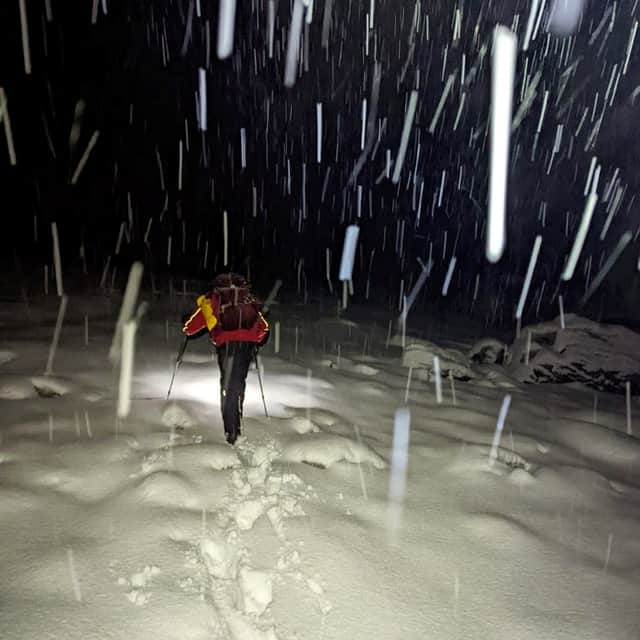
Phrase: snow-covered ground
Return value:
(153, 527)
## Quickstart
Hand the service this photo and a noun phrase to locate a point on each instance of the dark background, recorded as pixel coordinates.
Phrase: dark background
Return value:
(139, 101)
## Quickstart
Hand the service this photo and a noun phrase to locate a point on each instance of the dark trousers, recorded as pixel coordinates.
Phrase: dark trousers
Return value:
(234, 359)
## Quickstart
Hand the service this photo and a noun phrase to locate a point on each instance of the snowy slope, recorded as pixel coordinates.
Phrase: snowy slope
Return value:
(153, 527)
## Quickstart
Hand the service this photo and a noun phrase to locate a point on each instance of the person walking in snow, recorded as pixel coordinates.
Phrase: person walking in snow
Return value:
(231, 314)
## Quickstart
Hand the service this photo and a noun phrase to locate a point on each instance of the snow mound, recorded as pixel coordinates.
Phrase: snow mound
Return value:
(7, 356)
(190, 456)
(600, 444)
(603, 357)
(521, 478)
(174, 415)
(419, 354)
(499, 531)
(16, 389)
(364, 369)
(48, 387)
(300, 424)
(326, 449)
(318, 415)
(167, 489)
(324, 417)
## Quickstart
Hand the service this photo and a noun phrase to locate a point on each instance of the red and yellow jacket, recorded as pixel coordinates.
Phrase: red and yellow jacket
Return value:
(206, 317)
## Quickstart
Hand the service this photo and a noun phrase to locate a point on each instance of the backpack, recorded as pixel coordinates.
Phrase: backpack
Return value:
(238, 308)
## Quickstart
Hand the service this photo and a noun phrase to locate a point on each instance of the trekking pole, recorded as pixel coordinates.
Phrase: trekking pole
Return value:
(266, 413)
(178, 363)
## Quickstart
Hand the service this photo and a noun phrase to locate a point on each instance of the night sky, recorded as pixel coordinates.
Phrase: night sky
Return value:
(133, 76)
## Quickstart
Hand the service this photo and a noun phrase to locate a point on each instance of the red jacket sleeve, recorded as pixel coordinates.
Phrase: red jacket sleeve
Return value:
(195, 324)
(262, 329)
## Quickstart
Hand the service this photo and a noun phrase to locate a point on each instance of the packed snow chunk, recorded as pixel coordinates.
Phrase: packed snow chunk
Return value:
(139, 598)
(220, 556)
(488, 351)
(324, 450)
(48, 387)
(315, 586)
(603, 357)
(241, 629)
(139, 580)
(263, 455)
(174, 416)
(220, 458)
(247, 513)
(7, 356)
(419, 354)
(137, 583)
(16, 389)
(256, 590)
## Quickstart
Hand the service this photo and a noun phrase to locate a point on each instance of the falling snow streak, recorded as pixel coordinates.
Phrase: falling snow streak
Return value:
(399, 465)
(406, 132)
(527, 281)
(581, 236)
(385, 123)
(226, 28)
(293, 43)
(504, 410)
(608, 265)
(4, 117)
(503, 72)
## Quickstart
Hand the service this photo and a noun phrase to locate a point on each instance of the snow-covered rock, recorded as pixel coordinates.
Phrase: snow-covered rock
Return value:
(50, 387)
(488, 351)
(419, 354)
(604, 357)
